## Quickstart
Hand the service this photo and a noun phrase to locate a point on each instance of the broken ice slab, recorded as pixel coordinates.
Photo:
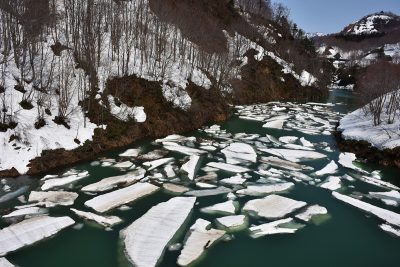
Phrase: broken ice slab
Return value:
(265, 189)
(31, 231)
(175, 189)
(153, 155)
(273, 206)
(226, 208)
(151, 165)
(130, 153)
(391, 198)
(288, 139)
(199, 238)
(124, 165)
(284, 164)
(209, 177)
(146, 239)
(29, 211)
(114, 199)
(53, 198)
(237, 153)
(227, 167)
(14, 194)
(5, 263)
(175, 138)
(332, 183)
(183, 149)
(209, 192)
(386, 215)
(190, 167)
(233, 222)
(346, 160)
(60, 182)
(311, 212)
(294, 155)
(115, 181)
(234, 180)
(331, 168)
(390, 229)
(275, 227)
(105, 221)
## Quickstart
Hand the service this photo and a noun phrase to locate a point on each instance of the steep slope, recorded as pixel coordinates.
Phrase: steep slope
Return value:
(88, 76)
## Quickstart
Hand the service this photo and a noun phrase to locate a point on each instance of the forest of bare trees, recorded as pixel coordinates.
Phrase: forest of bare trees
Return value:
(58, 53)
(378, 89)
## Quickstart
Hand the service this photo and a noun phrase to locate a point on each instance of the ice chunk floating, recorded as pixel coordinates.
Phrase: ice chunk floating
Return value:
(146, 239)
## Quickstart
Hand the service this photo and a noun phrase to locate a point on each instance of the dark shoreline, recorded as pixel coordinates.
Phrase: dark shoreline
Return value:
(364, 150)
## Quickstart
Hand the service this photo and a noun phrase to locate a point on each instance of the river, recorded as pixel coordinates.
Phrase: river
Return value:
(344, 237)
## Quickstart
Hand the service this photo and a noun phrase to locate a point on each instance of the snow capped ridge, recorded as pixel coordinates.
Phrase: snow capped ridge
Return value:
(371, 24)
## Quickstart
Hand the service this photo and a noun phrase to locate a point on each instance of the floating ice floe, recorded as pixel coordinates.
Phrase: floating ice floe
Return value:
(305, 143)
(299, 176)
(391, 198)
(273, 206)
(114, 199)
(227, 208)
(227, 167)
(153, 155)
(151, 165)
(14, 194)
(288, 139)
(237, 153)
(386, 215)
(390, 229)
(29, 211)
(205, 185)
(211, 176)
(284, 164)
(294, 155)
(378, 182)
(191, 166)
(124, 165)
(234, 180)
(115, 181)
(106, 221)
(5, 263)
(175, 189)
(146, 238)
(310, 212)
(183, 149)
(60, 182)
(276, 124)
(198, 240)
(298, 147)
(130, 153)
(264, 189)
(273, 228)
(346, 160)
(233, 222)
(332, 183)
(31, 231)
(331, 168)
(209, 192)
(175, 138)
(53, 198)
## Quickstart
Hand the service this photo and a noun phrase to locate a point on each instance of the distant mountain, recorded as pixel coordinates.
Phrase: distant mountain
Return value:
(377, 24)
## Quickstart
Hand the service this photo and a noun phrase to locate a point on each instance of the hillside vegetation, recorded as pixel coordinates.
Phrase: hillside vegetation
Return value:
(98, 74)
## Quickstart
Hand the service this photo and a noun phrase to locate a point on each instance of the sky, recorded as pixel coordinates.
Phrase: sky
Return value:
(331, 16)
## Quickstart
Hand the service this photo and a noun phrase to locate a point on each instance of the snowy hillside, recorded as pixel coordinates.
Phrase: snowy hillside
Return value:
(373, 24)
(54, 75)
(359, 125)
